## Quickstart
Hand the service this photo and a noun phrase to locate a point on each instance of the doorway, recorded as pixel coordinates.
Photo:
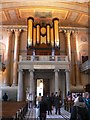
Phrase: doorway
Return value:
(43, 87)
(39, 87)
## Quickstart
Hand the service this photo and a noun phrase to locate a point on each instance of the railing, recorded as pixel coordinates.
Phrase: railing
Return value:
(43, 58)
(85, 65)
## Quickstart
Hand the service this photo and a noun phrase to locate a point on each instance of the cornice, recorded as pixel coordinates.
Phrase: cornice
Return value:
(24, 28)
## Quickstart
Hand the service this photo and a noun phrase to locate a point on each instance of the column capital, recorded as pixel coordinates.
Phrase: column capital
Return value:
(67, 31)
(20, 70)
(74, 31)
(17, 31)
(31, 70)
(9, 31)
(56, 70)
(67, 70)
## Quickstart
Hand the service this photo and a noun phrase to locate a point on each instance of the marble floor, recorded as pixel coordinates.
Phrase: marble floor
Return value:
(32, 114)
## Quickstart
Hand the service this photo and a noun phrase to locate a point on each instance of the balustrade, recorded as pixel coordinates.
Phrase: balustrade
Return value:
(43, 58)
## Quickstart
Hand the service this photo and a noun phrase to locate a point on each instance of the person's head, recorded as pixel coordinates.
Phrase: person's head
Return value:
(86, 95)
(56, 94)
(39, 94)
(52, 94)
(80, 99)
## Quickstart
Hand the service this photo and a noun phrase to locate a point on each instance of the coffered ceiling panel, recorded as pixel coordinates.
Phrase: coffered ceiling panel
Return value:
(83, 20)
(70, 12)
(3, 16)
(25, 13)
(12, 14)
(61, 14)
(73, 16)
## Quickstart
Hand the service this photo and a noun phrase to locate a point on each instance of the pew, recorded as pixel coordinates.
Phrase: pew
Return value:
(13, 110)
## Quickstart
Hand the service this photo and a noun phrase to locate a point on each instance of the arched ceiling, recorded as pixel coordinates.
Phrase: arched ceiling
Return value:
(70, 12)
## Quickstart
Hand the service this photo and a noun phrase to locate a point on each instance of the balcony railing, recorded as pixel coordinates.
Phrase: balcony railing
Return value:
(43, 58)
(85, 65)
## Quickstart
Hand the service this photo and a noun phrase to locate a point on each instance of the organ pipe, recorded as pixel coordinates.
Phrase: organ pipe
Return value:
(30, 31)
(48, 34)
(56, 31)
(52, 37)
(34, 36)
(38, 34)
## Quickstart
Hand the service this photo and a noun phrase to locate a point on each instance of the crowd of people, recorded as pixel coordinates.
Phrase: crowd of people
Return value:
(47, 103)
(79, 111)
(52, 103)
(81, 107)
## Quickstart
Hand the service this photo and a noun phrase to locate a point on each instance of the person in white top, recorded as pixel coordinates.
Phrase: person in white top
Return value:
(30, 100)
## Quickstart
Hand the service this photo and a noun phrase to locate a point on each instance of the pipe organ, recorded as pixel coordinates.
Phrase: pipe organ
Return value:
(43, 34)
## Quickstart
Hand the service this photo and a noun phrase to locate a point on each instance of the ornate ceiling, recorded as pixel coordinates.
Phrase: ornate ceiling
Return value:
(69, 12)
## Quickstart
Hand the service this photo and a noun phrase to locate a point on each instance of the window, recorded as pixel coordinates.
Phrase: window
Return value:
(84, 58)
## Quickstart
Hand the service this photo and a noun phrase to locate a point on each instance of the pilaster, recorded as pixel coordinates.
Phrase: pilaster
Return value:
(16, 55)
(68, 35)
(8, 56)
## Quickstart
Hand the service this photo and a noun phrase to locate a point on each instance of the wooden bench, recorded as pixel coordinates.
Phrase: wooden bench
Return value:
(12, 110)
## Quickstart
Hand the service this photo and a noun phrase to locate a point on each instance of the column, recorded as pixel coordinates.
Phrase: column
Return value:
(16, 56)
(63, 89)
(56, 80)
(68, 33)
(67, 81)
(76, 58)
(32, 84)
(20, 96)
(8, 56)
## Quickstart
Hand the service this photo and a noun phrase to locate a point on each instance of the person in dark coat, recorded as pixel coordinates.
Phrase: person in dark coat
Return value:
(5, 97)
(79, 110)
(57, 104)
(43, 109)
(49, 104)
